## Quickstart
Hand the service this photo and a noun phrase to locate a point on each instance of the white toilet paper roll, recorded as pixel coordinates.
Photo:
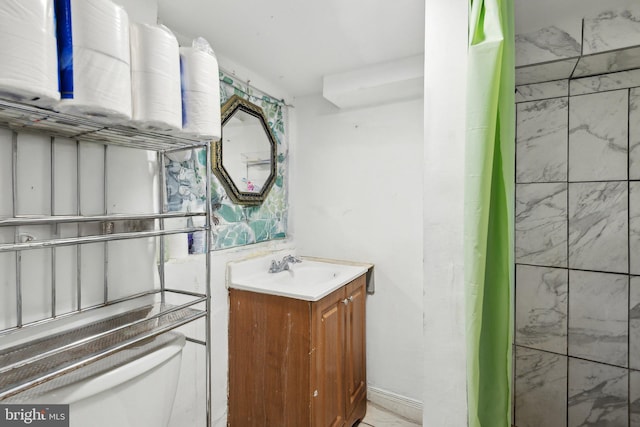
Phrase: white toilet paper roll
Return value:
(200, 90)
(29, 69)
(201, 114)
(155, 74)
(199, 70)
(102, 87)
(101, 25)
(177, 246)
(154, 49)
(156, 101)
(27, 18)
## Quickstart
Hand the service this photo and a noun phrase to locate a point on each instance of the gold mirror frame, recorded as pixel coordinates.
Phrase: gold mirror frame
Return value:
(236, 103)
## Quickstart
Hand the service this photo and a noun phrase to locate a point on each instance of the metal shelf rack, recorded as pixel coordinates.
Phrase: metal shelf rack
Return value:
(146, 315)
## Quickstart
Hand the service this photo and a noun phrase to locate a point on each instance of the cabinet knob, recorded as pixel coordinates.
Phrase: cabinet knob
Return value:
(345, 301)
(350, 298)
(315, 393)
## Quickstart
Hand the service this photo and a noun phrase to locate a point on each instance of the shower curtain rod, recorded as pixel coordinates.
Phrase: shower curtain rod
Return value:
(248, 83)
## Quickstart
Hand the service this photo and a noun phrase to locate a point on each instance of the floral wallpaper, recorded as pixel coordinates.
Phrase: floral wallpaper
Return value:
(234, 225)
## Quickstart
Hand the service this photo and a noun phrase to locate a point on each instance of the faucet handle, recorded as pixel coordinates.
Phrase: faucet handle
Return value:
(291, 258)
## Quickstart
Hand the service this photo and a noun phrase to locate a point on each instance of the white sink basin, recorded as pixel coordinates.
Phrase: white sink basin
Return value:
(309, 280)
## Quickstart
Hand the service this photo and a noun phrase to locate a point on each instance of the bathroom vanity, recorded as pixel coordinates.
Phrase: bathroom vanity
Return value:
(298, 362)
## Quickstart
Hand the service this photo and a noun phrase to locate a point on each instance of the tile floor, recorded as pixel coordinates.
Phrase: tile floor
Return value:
(379, 417)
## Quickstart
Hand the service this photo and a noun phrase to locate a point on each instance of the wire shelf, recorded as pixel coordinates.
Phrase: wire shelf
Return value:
(66, 219)
(20, 117)
(41, 363)
(92, 370)
(25, 366)
(70, 241)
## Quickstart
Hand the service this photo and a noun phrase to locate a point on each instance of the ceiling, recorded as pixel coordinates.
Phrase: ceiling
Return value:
(294, 43)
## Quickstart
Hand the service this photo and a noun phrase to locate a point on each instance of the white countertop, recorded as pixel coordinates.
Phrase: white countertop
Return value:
(310, 280)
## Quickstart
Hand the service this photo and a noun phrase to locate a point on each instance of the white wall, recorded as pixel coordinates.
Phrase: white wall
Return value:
(131, 266)
(444, 121)
(358, 196)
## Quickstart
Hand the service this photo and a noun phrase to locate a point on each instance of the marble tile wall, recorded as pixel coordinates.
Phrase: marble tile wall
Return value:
(546, 45)
(611, 30)
(598, 226)
(546, 90)
(540, 388)
(541, 225)
(577, 250)
(605, 43)
(607, 62)
(598, 394)
(598, 136)
(542, 128)
(541, 321)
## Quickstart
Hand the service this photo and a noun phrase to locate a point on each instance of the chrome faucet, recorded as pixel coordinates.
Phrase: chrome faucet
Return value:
(277, 267)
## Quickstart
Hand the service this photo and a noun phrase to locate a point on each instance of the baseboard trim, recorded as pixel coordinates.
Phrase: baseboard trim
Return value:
(401, 405)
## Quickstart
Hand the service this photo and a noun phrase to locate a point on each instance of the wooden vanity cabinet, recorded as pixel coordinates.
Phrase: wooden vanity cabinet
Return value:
(295, 363)
(356, 351)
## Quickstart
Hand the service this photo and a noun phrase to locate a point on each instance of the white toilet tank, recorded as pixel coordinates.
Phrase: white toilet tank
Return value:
(135, 387)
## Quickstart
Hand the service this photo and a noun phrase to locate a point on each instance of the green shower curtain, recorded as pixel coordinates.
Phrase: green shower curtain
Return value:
(489, 200)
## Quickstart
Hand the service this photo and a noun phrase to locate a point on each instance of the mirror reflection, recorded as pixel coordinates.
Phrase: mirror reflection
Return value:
(245, 157)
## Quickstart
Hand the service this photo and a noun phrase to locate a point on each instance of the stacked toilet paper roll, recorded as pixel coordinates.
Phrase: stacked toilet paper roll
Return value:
(200, 91)
(94, 61)
(155, 78)
(176, 245)
(29, 68)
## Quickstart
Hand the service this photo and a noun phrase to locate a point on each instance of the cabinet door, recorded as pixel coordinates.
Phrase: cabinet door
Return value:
(328, 386)
(355, 351)
(269, 343)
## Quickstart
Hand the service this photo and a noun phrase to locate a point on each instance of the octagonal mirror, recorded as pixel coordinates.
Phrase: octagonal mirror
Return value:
(245, 157)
